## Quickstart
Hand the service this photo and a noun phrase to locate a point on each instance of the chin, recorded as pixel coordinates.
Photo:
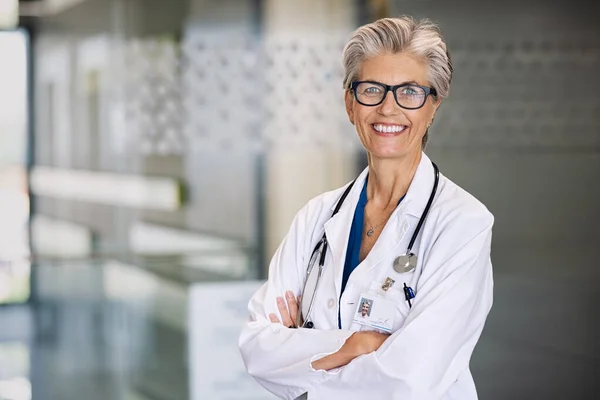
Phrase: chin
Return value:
(393, 150)
(388, 153)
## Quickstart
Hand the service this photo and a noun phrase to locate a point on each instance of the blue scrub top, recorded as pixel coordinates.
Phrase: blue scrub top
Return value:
(355, 241)
(355, 238)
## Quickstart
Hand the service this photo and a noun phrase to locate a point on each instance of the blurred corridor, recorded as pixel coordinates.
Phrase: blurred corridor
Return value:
(153, 154)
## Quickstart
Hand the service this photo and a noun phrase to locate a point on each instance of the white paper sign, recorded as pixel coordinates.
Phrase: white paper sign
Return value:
(217, 312)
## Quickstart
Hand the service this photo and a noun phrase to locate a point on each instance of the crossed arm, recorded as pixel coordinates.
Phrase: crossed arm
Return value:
(357, 344)
(420, 360)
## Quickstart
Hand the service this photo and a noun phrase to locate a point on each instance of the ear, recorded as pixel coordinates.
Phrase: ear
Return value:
(436, 104)
(349, 100)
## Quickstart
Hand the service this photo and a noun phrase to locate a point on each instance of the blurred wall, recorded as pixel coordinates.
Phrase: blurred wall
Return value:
(111, 98)
(521, 131)
(216, 95)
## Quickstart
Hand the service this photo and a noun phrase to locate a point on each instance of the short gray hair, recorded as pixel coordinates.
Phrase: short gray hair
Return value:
(396, 35)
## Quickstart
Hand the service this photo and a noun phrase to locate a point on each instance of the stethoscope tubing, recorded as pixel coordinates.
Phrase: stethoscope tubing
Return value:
(322, 247)
(426, 210)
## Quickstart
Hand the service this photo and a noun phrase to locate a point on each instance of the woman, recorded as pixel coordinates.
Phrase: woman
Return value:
(425, 319)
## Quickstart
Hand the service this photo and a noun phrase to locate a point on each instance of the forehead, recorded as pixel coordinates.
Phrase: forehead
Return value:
(394, 69)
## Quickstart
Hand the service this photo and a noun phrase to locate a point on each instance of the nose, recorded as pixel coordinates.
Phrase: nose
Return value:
(389, 106)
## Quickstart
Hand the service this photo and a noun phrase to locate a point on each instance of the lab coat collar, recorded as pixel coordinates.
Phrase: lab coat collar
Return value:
(420, 188)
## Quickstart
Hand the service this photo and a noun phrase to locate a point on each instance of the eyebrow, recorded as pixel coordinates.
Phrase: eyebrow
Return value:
(400, 84)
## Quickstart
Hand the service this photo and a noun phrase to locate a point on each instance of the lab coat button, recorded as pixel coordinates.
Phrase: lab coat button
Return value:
(331, 303)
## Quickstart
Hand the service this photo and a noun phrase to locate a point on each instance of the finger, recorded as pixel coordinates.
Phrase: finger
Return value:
(292, 306)
(273, 318)
(285, 315)
(298, 300)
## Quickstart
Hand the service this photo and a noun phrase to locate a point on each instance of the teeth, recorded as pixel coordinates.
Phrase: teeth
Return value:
(388, 128)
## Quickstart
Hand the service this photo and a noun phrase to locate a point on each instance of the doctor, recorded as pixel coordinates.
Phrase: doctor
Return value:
(401, 237)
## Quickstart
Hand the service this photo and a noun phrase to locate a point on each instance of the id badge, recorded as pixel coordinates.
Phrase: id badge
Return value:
(375, 312)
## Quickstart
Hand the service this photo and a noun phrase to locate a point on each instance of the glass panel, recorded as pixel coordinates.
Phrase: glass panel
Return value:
(14, 196)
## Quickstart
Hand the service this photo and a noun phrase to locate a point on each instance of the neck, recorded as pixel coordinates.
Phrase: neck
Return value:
(389, 179)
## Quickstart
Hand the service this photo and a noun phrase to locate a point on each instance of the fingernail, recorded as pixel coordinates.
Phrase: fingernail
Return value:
(280, 299)
(289, 294)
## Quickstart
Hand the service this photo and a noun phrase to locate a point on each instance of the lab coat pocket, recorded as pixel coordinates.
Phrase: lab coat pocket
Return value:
(395, 293)
(402, 308)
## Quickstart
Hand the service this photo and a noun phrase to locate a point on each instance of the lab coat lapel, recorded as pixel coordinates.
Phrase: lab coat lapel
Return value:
(420, 188)
(337, 230)
(390, 239)
(404, 219)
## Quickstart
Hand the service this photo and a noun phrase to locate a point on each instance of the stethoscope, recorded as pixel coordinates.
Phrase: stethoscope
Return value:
(406, 262)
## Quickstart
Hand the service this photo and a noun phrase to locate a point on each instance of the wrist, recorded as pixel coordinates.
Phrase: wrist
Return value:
(356, 346)
(348, 352)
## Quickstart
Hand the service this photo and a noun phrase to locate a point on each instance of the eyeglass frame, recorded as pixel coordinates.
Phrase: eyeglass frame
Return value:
(428, 91)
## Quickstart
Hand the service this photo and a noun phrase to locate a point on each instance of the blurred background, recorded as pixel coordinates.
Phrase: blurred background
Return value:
(153, 154)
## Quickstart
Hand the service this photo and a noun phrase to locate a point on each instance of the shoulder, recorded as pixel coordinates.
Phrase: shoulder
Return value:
(458, 211)
(320, 207)
(309, 223)
(459, 229)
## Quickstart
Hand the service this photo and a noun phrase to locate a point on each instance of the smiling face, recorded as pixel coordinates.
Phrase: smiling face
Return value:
(388, 130)
(365, 308)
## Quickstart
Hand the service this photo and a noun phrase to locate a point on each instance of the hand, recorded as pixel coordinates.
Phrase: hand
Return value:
(289, 313)
(357, 344)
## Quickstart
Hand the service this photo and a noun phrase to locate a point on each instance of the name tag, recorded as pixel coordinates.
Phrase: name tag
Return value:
(375, 312)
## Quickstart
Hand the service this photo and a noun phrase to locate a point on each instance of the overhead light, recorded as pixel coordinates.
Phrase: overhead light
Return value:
(147, 192)
(9, 14)
(46, 8)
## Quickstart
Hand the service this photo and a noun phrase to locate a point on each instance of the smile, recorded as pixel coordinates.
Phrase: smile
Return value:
(388, 128)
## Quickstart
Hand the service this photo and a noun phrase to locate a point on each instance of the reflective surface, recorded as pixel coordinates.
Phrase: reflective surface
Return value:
(14, 195)
(106, 329)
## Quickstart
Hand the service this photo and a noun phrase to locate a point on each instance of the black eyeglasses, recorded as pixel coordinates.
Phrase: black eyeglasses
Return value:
(410, 97)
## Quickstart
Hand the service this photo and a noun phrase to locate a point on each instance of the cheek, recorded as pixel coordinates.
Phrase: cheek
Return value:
(428, 113)
(420, 118)
(361, 116)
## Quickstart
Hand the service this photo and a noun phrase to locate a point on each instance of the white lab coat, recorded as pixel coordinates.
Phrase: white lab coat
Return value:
(427, 356)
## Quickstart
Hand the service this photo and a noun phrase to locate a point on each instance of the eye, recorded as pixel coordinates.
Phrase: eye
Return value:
(371, 89)
(410, 90)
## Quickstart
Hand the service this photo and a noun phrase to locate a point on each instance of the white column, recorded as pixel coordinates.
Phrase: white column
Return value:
(312, 141)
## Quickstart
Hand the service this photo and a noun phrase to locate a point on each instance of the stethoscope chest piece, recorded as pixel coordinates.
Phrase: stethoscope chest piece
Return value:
(405, 263)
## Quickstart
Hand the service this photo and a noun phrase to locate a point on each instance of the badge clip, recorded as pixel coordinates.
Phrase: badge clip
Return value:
(389, 282)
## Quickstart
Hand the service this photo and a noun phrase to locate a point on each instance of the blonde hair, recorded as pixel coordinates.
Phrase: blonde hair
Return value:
(396, 35)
